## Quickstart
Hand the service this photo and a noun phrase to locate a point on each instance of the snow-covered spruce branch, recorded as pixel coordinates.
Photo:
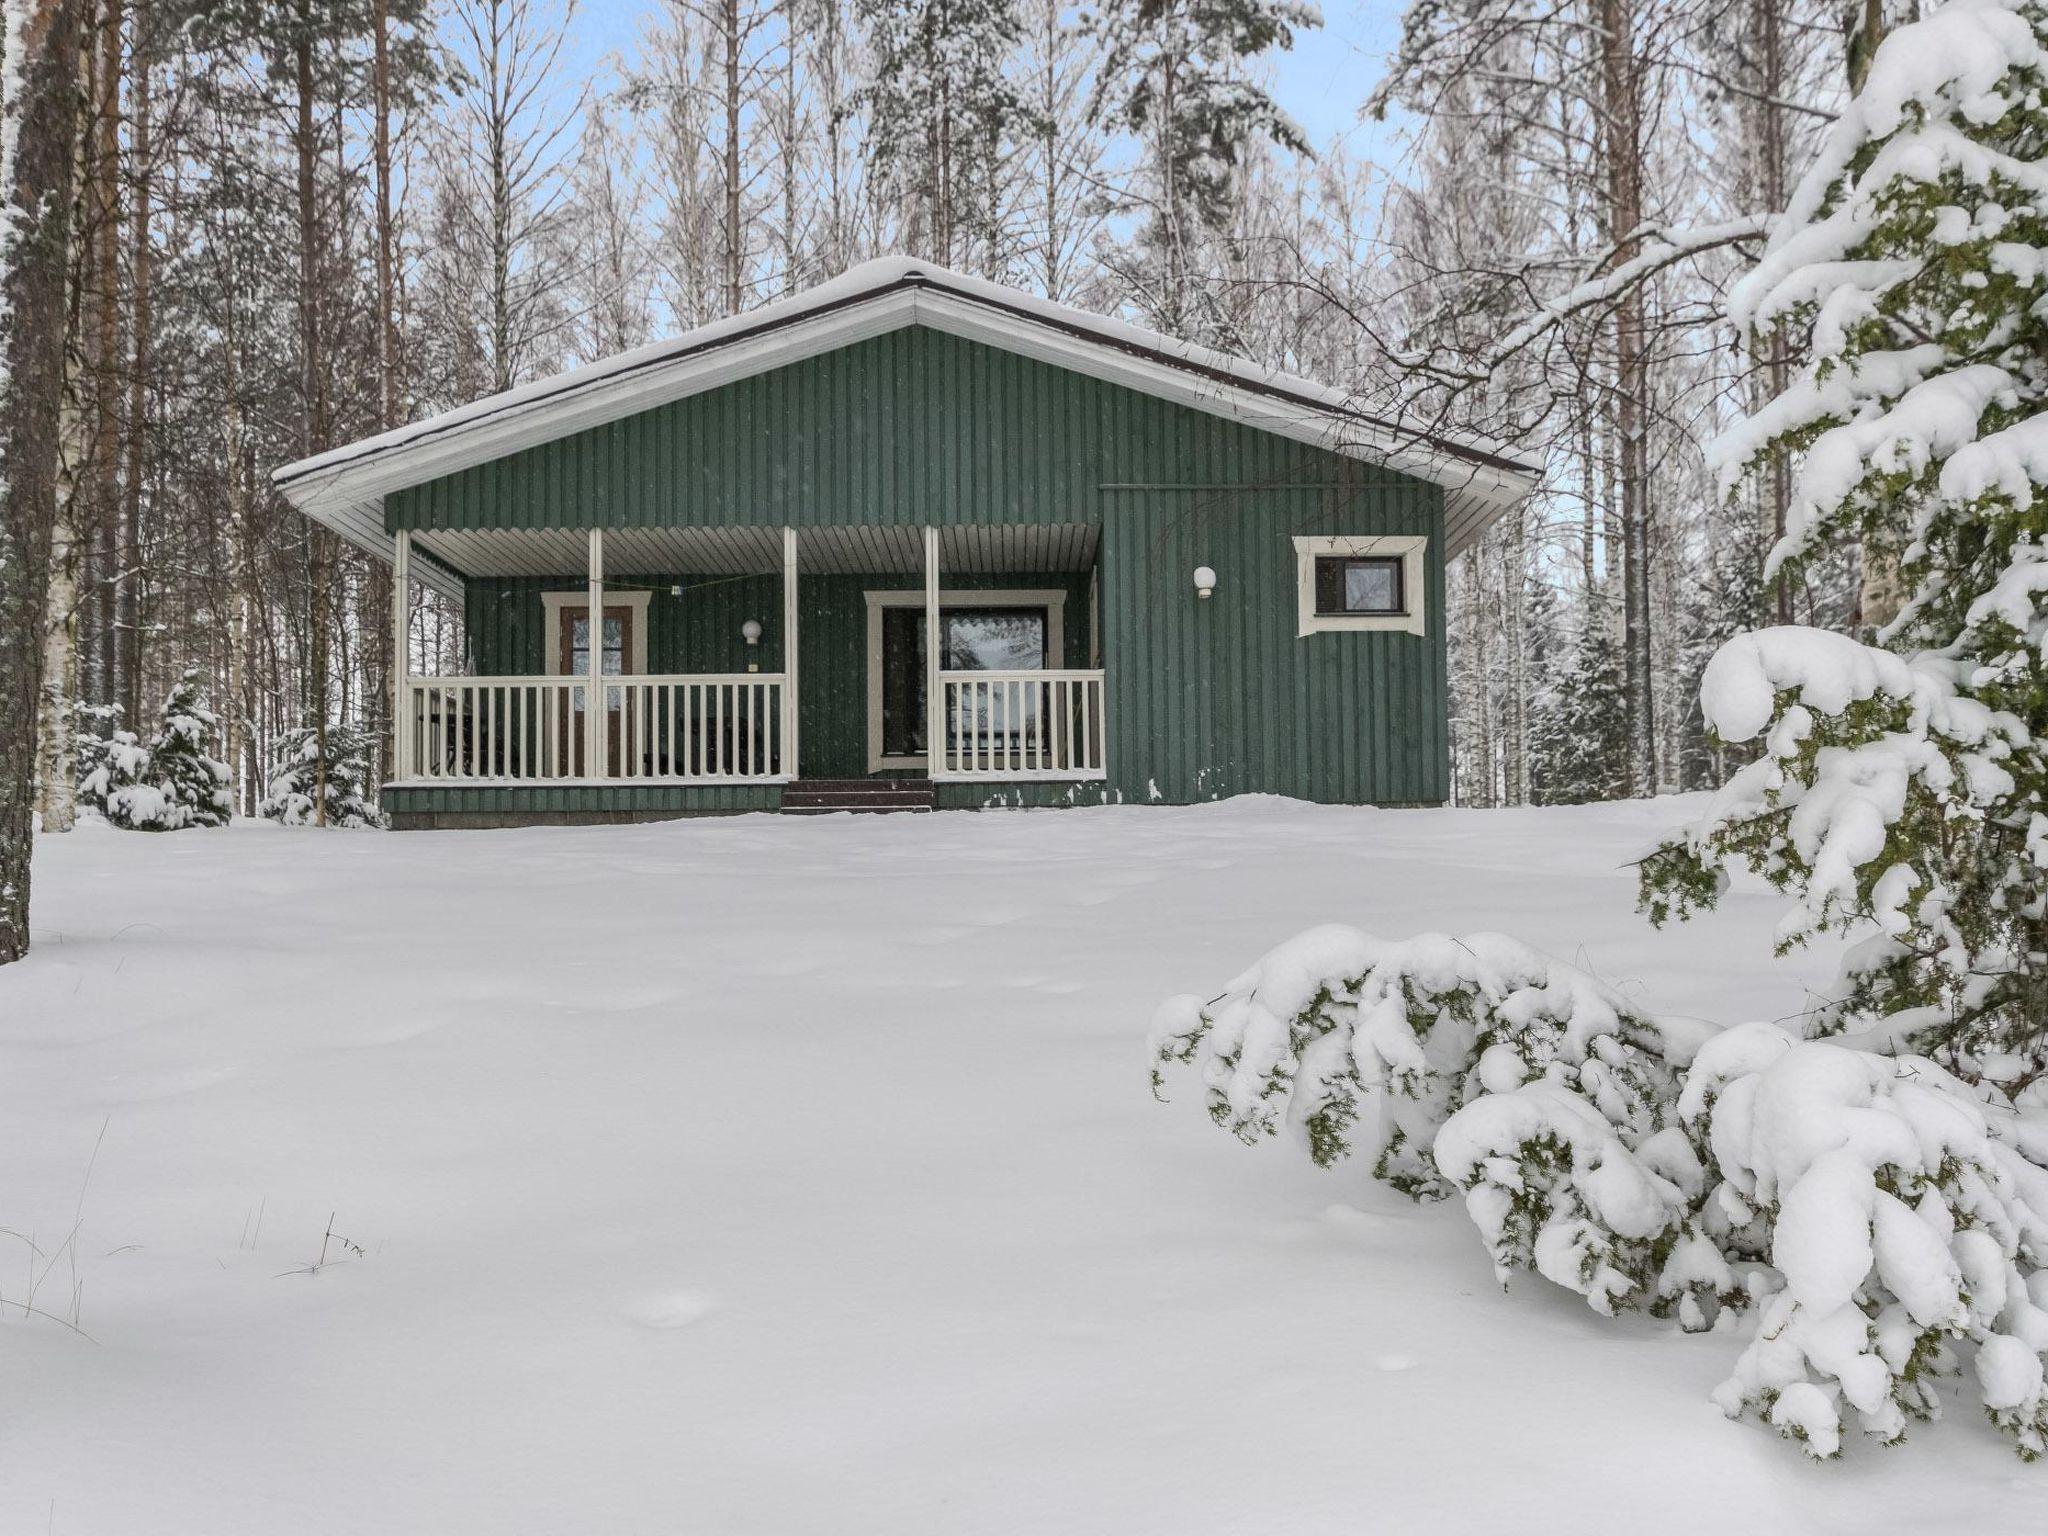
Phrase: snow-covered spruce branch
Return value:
(1907, 1213)
(1335, 1028)
(1875, 1213)
(1858, 743)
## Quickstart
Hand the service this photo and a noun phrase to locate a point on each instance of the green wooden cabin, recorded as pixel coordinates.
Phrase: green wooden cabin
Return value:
(911, 508)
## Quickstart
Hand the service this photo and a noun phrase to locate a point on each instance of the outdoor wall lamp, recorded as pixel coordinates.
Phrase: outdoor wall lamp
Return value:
(1205, 581)
(751, 632)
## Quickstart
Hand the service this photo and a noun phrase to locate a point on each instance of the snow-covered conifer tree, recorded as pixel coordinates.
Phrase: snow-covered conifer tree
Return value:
(944, 114)
(1901, 784)
(111, 762)
(1175, 77)
(1879, 1215)
(1586, 754)
(178, 784)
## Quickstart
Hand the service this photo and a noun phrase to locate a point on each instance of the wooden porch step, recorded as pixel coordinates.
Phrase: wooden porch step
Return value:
(817, 797)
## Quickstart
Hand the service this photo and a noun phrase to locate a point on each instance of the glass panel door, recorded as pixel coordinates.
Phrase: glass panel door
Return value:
(993, 639)
(574, 651)
(999, 716)
(970, 640)
(577, 663)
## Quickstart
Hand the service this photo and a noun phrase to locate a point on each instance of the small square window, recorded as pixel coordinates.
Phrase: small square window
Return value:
(1359, 584)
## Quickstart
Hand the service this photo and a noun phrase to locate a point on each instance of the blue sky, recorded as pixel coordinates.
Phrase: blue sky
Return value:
(1328, 73)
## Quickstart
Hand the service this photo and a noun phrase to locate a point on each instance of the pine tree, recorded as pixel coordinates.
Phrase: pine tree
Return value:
(1726, 593)
(1177, 78)
(1900, 785)
(292, 780)
(944, 115)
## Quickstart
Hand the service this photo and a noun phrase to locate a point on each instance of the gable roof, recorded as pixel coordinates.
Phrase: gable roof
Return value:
(344, 487)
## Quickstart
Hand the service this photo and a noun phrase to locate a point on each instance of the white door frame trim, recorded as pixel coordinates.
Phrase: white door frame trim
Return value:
(1052, 599)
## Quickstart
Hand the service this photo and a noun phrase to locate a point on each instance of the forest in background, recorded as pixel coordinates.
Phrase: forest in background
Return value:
(298, 222)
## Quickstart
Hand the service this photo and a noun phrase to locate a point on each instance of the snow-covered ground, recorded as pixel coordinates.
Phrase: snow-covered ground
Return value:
(799, 1175)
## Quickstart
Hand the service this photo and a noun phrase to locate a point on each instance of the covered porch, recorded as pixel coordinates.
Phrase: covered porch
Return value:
(748, 658)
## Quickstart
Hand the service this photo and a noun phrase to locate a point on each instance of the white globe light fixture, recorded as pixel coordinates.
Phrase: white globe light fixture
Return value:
(1205, 581)
(751, 632)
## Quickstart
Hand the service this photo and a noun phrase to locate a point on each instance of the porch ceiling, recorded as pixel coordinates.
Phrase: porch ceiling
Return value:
(1021, 548)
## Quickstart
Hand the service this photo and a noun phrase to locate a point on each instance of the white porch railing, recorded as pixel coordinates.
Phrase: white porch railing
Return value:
(703, 728)
(1021, 725)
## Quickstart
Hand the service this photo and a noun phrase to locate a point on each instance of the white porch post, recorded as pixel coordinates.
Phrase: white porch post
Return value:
(596, 755)
(401, 654)
(934, 738)
(789, 623)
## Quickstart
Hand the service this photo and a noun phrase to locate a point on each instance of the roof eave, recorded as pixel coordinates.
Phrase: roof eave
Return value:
(343, 488)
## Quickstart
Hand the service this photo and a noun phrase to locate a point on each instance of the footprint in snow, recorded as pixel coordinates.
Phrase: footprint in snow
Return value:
(677, 1309)
(1397, 1362)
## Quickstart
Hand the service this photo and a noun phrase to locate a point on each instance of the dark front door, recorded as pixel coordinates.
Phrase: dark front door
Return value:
(574, 642)
(970, 640)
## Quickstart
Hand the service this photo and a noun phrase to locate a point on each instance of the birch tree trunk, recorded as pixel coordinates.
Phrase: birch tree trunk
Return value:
(1515, 583)
(57, 740)
(38, 109)
(1622, 107)
(1767, 132)
(71, 533)
(313, 429)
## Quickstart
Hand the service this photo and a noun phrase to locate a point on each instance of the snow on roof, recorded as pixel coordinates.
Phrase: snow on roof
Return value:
(344, 487)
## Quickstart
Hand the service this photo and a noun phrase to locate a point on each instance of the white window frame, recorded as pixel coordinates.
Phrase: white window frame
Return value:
(554, 603)
(1409, 549)
(1052, 599)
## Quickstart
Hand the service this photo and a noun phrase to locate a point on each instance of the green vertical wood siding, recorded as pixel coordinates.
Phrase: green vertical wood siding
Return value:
(1220, 696)
(1205, 699)
(912, 427)
(505, 621)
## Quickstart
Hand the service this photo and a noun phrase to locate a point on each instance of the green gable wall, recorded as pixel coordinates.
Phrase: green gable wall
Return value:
(911, 427)
(1205, 699)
